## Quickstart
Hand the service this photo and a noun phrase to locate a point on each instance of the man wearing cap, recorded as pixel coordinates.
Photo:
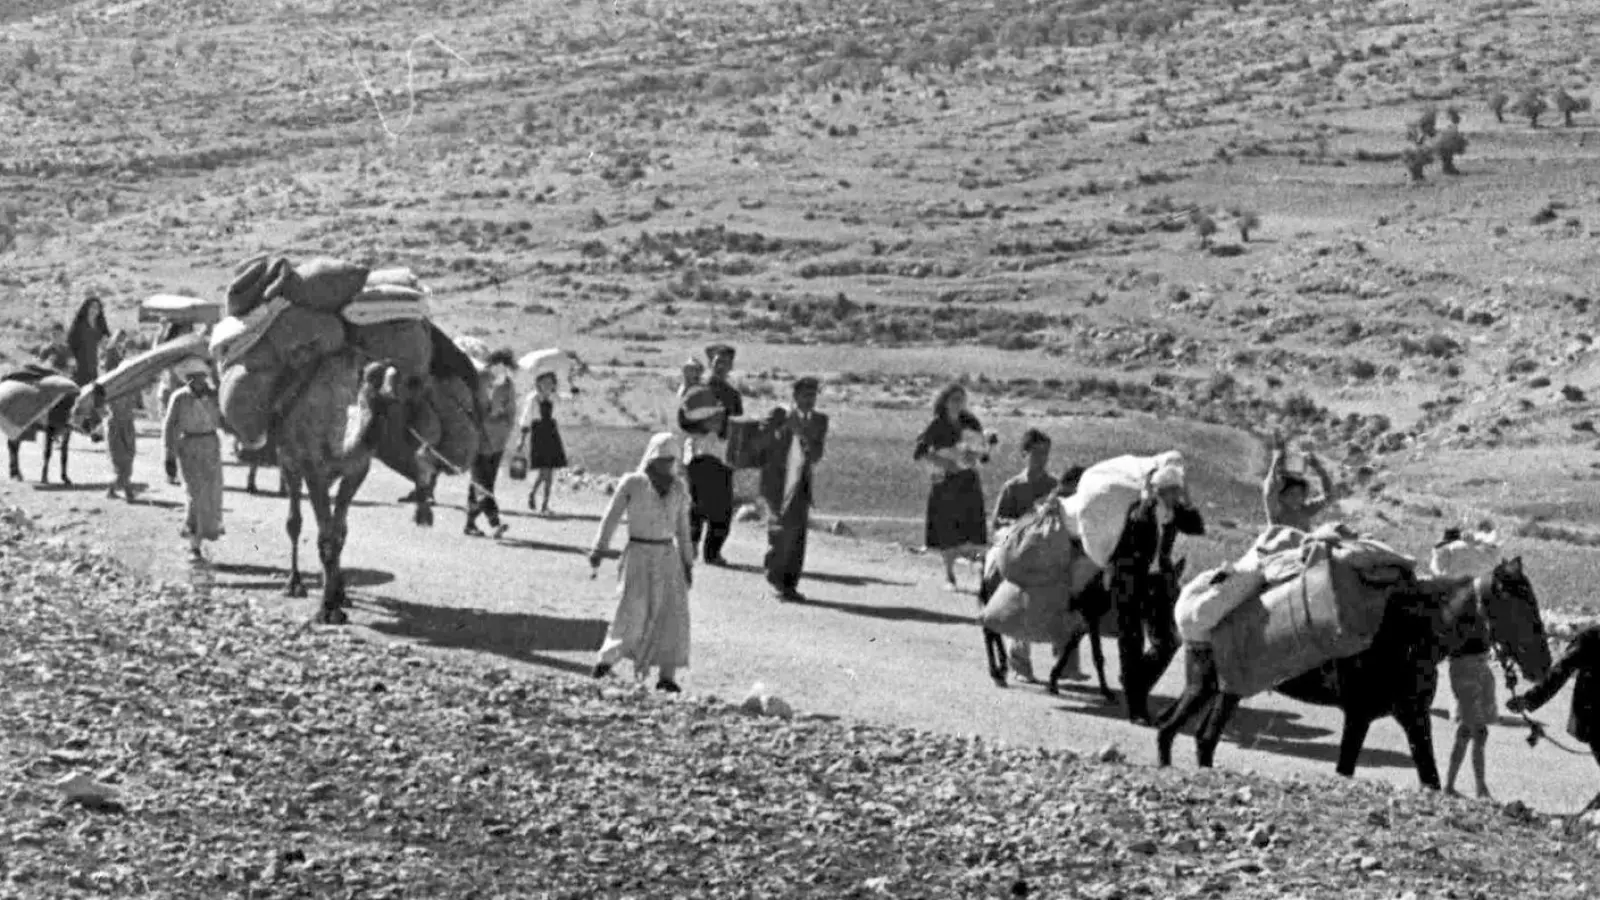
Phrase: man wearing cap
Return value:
(703, 416)
(796, 441)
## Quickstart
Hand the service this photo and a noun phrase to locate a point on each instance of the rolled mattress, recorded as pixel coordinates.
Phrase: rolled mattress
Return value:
(141, 371)
(176, 308)
(386, 303)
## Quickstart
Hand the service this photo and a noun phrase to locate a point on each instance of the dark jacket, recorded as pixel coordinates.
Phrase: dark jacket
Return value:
(774, 467)
(731, 400)
(1582, 659)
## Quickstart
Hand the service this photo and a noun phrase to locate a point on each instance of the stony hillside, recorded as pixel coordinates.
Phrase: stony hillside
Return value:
(160, 740)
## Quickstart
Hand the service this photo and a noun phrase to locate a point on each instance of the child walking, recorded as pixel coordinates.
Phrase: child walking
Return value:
(1471, 676)
(651, 626)
(542, 437)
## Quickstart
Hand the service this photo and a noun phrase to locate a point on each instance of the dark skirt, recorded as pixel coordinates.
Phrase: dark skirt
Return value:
(956, 515)
(545, 450)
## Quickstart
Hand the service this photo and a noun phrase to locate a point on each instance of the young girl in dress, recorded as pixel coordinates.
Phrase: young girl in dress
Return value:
(952, 446)
(651, 626)
(546, 453)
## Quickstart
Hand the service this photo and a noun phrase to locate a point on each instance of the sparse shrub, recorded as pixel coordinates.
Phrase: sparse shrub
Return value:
(206, 49)
(138, 57)
(1416, 160)
(30, 58)
(1566, 104)
(1532, 105)
(1204, 226)
(1453, 113)
(1447, 147)
(1423, 126)
(1246, 222)
(1497, 105)
(1363, 369)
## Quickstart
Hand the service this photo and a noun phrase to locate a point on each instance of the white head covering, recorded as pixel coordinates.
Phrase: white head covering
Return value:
(1168, 476)
(190, 366)
(662, 446)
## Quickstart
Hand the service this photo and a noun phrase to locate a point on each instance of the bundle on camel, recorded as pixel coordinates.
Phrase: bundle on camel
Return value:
(428, 415)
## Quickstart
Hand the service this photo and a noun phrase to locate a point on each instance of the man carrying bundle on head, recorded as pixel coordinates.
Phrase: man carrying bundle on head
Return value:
(703, 416)
(1287, 494)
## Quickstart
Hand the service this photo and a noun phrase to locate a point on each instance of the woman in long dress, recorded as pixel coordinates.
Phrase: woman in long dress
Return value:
(546, 452)
(190, 438)
(955, 522)
(651, 626)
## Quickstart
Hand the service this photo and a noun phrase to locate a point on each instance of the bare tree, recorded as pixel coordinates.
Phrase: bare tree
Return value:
(1566, 104)
(1416, 160)
(1497, 105)
(1530, 104)
(1447, 147)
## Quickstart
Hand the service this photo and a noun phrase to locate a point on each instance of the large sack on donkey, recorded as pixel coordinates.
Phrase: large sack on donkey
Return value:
(257, 281)
(1106, 492)
(1324, 614)
(24, 403)
(405, 344)
(139, 372)
(1042, 614)
(246, 399)
(1038, 549)
(326, 284)
(457, 404)
(1209, 597)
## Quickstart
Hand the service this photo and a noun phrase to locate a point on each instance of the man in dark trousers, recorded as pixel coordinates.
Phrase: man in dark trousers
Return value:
(1582, 659)
(710, 476)
(796, 442)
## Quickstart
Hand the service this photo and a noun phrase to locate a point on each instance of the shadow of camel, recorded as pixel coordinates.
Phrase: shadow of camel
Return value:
(888, 613)
(274, 578)
(58, 487)
(524, 637)
(1269, 731)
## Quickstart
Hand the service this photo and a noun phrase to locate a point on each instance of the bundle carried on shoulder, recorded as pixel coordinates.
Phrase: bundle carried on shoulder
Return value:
(1039, 548)
(139, 372)
(1106, 493)
(1331, 608)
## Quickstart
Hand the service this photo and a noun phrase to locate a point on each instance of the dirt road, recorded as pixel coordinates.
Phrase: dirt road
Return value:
(878, 640)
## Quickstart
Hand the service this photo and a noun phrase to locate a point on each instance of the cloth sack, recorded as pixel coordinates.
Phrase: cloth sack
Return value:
(24, 403)
(386, 303)
(395, 275)
(258, 280)
(326, 284)
(1209, 597)
(1469, 557)
(246, 399)
(1041, 614)
(298, 336)
(1038, 549)
(1106, 492)
(406, 344)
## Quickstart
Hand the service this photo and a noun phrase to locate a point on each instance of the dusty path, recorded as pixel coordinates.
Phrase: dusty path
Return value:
(879, 640)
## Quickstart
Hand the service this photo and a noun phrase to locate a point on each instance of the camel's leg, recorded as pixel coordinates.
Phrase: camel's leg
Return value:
(317, 489)
(13, 450)
(349, 484)
(1211, 727)
(250, 481)
(1355, 737)
(297, 585)
(44, 465)
(1417, 722)
(66, 437)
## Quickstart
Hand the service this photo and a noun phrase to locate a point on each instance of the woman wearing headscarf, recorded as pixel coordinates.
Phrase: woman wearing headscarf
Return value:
(951, 446)
(84, 337)
(121, 436)
(651, 626)
(190, 436)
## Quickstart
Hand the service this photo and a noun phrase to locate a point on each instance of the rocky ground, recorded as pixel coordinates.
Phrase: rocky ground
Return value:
(158, 741)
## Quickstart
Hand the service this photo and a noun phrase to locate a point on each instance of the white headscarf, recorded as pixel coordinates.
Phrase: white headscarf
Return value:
(662, 446)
